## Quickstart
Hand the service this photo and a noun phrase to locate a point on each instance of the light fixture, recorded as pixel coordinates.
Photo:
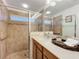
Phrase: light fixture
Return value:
(48, 1)
(59, 0)
(53, 3)
(48, 12)
(25, 5)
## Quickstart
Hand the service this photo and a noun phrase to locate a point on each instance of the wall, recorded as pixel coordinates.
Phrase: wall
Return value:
(17, 37)
(34, 27)
(3, 30)
(17, 40)
(1, 2)
(43, 23)
(68, 28)
(47, 24)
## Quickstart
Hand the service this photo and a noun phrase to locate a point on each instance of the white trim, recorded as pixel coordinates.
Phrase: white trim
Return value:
(5, 3)
(9, 8)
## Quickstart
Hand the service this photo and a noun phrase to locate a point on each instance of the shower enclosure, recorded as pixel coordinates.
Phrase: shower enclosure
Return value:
(14, 33)
(15, 28)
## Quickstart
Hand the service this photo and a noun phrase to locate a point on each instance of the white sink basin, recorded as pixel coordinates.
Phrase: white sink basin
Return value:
(71, 42)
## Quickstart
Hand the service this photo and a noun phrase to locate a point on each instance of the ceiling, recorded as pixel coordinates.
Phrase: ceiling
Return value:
(63, 5)
(36, 5)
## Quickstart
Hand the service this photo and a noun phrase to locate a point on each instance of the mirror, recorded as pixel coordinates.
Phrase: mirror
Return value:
(63, 23)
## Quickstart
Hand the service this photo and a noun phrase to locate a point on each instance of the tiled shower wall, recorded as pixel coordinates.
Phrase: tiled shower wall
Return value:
(17, 38)
(3, 30)
(13, 37)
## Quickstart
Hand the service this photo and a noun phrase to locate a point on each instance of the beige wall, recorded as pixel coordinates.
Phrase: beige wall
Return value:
(13, 36)
(2, 49)
(17, 37)
(34, 27)
(3, 30)
(47, 28)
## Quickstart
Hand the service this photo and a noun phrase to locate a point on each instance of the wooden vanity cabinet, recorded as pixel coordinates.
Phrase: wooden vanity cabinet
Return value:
(34, 51)
(48, 55)
(39, 52)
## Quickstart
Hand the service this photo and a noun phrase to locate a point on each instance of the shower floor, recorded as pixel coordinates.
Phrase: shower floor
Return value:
(18, 55)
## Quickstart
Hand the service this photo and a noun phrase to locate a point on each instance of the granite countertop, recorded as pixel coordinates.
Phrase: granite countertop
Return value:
(63, 45)
(56, 50)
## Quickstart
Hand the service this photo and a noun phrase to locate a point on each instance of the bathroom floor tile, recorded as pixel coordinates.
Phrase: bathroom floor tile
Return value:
(18, 55)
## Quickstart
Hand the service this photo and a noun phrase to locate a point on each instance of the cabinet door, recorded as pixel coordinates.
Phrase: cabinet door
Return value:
(37, 50)
(34, 51)
(39, 54)
(48, 55)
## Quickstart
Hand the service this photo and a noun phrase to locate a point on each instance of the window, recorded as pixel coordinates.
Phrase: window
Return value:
(47, 22)
(19, 18)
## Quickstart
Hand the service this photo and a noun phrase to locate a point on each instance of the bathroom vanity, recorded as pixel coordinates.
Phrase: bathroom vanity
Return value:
(40, 52)
(43, 48)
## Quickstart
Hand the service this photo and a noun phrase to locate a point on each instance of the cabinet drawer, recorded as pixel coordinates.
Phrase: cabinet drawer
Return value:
(48, 54)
